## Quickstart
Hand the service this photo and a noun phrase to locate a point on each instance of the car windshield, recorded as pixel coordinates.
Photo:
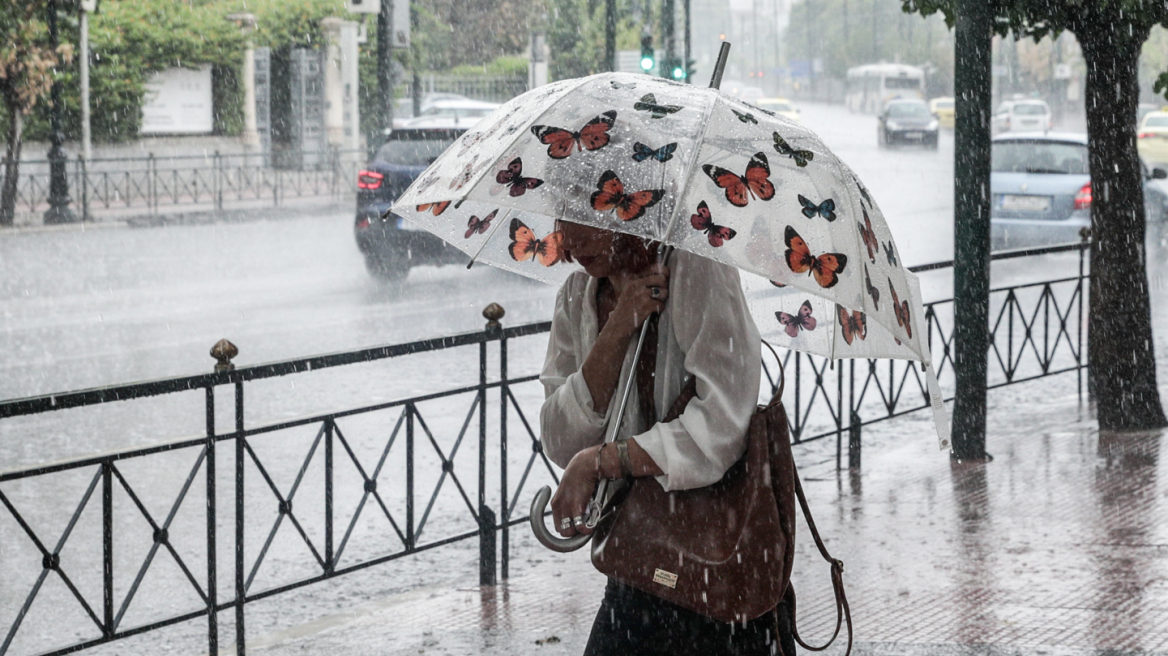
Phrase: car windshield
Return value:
(1156, 122)
(908, 110)
(457, 112)
(415, 148)
(1040, 157)
(1030, 109)
(776, 106)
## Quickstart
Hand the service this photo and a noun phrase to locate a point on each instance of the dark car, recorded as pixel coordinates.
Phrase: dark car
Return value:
(1041, 189)
(390, 244)
(907, 122)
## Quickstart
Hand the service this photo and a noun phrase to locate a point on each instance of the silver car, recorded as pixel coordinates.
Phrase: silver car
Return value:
(1041, 190)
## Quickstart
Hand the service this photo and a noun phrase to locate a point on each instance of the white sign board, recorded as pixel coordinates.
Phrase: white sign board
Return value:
(178, 101)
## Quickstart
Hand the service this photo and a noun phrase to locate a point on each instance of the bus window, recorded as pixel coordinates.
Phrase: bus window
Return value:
(901, 83)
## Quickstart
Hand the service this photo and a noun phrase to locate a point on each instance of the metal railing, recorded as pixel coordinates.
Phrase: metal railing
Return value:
(1037, 332)
(124, 186)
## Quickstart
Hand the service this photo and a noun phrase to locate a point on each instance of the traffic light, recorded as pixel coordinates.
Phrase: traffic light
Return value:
(690, 68)
(678, 70)
(647, 57)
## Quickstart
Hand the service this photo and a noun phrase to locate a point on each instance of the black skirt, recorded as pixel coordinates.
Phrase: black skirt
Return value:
(632, 622)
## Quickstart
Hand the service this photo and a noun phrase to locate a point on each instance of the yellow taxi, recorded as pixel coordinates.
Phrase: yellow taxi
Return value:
(780, 106)
(1153, 137)
(944, 110)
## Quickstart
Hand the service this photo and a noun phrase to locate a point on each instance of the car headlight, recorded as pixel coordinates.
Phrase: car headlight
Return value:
(892, 125)
(931, 126)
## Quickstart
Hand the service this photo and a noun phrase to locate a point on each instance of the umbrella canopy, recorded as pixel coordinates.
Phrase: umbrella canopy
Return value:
(694, 169)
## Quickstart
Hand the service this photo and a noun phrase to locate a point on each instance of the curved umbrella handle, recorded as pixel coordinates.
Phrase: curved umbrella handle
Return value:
(562, 545)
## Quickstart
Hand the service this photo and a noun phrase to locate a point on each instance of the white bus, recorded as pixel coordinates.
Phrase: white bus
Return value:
(872, 85)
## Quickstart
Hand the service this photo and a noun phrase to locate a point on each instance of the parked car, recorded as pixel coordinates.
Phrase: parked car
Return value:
(1143, 109)
(1040, 188)
(780, 106)
(945, 110)
(906, 121)
(1022, 116)
(1153, 137)
(389, 243)
(404, 107)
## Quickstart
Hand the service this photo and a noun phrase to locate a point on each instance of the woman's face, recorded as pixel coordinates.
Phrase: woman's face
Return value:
(594, 248)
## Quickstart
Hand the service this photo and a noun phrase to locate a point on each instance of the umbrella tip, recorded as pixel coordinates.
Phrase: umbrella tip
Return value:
(720, 65)
(470, 264)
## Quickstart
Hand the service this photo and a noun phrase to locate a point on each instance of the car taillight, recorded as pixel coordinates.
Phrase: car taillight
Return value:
(363, 222)
(1145, 135)
(369, 179)
(1083, 198)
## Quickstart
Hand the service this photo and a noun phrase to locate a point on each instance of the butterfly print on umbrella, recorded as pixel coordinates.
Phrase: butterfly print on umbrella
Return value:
(801, 157)
(620, 85)
(873, 291)
(435, 208)
(868, 236)
(824, 268)
(476, 225)
(525, 246)
(741, 188)
(648, 103)
(802, 320)
(512, 176)
(703, 220)
(890, 253)
(853, 325)
(745, 117)
(900, 308)
(467, 173)
(826, 209)
(560, 142)
(641, 152)
(610, 195)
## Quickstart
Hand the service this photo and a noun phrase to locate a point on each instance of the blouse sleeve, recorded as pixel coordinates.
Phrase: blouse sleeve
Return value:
(712, 325)
(567, 421)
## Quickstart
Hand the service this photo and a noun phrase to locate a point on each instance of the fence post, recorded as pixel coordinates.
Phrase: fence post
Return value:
(212, 552)
(488, 560)
(328, 497)
(240, 586)
(151, 184)
(107, 547)
(1085, 239)
(84, 183)
(218, 181)
(854, 423)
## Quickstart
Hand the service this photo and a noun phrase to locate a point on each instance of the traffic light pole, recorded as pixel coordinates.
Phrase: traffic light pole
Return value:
(59, 200)
(610, 34)
(385, 76)
(667, 39)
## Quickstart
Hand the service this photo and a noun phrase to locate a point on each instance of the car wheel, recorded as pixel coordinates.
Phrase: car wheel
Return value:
(935, 143)
(387, 267)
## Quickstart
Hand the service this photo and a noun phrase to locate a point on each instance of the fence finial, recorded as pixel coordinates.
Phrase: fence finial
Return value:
(223, 351)
(493, 313)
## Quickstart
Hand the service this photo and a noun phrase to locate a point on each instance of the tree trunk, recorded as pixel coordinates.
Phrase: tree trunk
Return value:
(11, 166)
(1119, 328)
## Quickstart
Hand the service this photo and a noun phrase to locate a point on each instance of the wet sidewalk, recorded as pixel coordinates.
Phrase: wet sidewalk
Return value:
(1059, 546)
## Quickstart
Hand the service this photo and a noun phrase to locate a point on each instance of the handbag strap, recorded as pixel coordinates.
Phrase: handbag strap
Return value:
(843, 611)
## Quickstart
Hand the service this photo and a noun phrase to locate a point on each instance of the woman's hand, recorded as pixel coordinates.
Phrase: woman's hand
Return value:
(574, 493)
(639, 298)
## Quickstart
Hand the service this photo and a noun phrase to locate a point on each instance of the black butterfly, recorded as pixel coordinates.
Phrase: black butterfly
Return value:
(641, 152)
(618, 85)
(873, 291)
(745, 118)
(889, 253)
(826, 209)
(648, 103)
(801, 157)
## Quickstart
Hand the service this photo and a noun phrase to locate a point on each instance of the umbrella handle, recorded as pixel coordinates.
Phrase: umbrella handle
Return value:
(545, 537)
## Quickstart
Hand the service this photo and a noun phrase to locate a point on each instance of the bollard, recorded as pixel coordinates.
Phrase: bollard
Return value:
(486, 546)
(223, 351)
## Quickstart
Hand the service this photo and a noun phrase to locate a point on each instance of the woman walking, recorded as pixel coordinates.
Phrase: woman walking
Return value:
(707, 333)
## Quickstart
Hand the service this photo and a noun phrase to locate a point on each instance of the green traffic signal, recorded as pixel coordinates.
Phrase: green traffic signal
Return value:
(678, 73)
(647, 63)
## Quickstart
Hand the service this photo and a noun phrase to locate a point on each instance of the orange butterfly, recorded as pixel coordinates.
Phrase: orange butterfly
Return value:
(593, 136)
(825, 268)
(524, 245)
(900, 308)
(436, 208)
(610, 194)
(868, 236)
(755, 182)
(853, 324)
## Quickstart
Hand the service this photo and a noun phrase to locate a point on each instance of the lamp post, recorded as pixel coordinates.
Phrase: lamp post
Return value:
(59, 200)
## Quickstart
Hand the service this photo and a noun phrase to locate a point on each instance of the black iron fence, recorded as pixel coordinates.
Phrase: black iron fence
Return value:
(133, 186)
(406, 463)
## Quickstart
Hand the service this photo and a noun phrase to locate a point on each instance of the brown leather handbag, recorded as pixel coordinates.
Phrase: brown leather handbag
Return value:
(724, 550)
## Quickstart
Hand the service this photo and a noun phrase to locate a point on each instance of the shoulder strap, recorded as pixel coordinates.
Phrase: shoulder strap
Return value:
(843, 612)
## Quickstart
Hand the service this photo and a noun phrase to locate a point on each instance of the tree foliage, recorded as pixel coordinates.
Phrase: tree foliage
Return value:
(575, 34)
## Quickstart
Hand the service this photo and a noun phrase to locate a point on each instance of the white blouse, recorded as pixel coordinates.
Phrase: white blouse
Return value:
(711, 335)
